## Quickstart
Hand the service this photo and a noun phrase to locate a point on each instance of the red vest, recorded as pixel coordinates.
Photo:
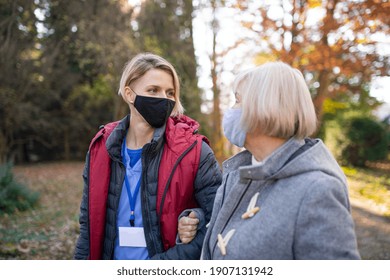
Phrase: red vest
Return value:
(178, 167)
(99, 181)
(179, 164)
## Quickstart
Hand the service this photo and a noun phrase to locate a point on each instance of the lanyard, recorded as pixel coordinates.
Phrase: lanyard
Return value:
(132, 197)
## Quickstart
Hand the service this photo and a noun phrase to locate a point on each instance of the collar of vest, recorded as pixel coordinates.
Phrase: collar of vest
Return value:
(114, 141)
(181, 131)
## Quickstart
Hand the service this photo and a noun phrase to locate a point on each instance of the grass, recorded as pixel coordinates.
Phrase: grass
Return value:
(371, 185)
(50, 230)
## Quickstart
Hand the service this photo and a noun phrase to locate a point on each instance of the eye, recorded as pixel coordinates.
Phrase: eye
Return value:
(153, 90)
(171, 94)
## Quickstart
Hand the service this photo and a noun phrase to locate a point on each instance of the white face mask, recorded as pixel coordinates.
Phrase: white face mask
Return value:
(232, 128)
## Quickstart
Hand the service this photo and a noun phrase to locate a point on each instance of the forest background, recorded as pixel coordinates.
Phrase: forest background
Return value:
(61, 61)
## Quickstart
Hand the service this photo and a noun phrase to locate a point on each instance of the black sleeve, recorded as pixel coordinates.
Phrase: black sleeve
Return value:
(82, 245)
(207, 181)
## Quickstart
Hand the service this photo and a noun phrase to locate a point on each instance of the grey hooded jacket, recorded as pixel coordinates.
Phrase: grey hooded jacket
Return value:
(304, 207)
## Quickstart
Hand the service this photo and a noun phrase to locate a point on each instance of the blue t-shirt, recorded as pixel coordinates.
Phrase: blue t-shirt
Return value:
(133, 173)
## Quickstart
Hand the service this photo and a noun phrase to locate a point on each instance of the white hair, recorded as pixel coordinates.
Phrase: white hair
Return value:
(276, 101)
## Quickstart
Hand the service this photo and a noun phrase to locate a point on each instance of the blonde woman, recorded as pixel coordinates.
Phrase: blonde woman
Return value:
(284, 197)
(146, 170)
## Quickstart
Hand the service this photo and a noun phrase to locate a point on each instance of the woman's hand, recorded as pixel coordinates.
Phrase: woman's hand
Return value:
(188, 227)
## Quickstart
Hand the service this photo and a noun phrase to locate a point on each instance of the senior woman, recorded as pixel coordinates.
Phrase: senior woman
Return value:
(284, 197)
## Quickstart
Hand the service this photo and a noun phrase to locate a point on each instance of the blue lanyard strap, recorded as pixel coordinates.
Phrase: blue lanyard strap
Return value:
(132, 198)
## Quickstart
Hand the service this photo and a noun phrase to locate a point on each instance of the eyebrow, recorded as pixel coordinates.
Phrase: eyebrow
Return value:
(152, 85)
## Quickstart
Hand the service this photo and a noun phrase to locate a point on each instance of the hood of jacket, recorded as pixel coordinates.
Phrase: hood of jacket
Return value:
(180, 130)
(293, 158)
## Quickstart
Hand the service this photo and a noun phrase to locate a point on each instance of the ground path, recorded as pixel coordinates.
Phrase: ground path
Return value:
(372, 230)
(51, 232)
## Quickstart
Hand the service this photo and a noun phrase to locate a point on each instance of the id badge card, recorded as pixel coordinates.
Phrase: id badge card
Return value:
(132, 237)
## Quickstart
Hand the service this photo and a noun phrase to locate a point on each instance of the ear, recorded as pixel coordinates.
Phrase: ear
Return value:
(129, 95)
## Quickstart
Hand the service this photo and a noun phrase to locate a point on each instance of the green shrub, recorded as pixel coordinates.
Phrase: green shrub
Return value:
(356, 139)
(14, 195)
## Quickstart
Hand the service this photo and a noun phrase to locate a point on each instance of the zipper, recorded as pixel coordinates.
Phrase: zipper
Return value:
(145, 204)
(117, 203)
(171, 176)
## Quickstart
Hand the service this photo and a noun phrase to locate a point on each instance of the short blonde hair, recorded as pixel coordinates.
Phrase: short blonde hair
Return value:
(142, 63)
(276, 101)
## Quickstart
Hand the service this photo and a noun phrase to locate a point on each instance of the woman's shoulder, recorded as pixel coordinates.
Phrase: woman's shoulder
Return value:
(320, 187)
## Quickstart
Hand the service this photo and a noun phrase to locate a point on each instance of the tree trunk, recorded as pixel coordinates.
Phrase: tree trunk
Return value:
(66, 144)
(217, 138)
(321, 94)
(3, 148)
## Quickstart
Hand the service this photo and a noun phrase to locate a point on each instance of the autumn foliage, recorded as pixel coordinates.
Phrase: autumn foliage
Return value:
(337, 44)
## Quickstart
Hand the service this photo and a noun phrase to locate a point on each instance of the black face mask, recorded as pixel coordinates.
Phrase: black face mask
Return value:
(154, 110)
